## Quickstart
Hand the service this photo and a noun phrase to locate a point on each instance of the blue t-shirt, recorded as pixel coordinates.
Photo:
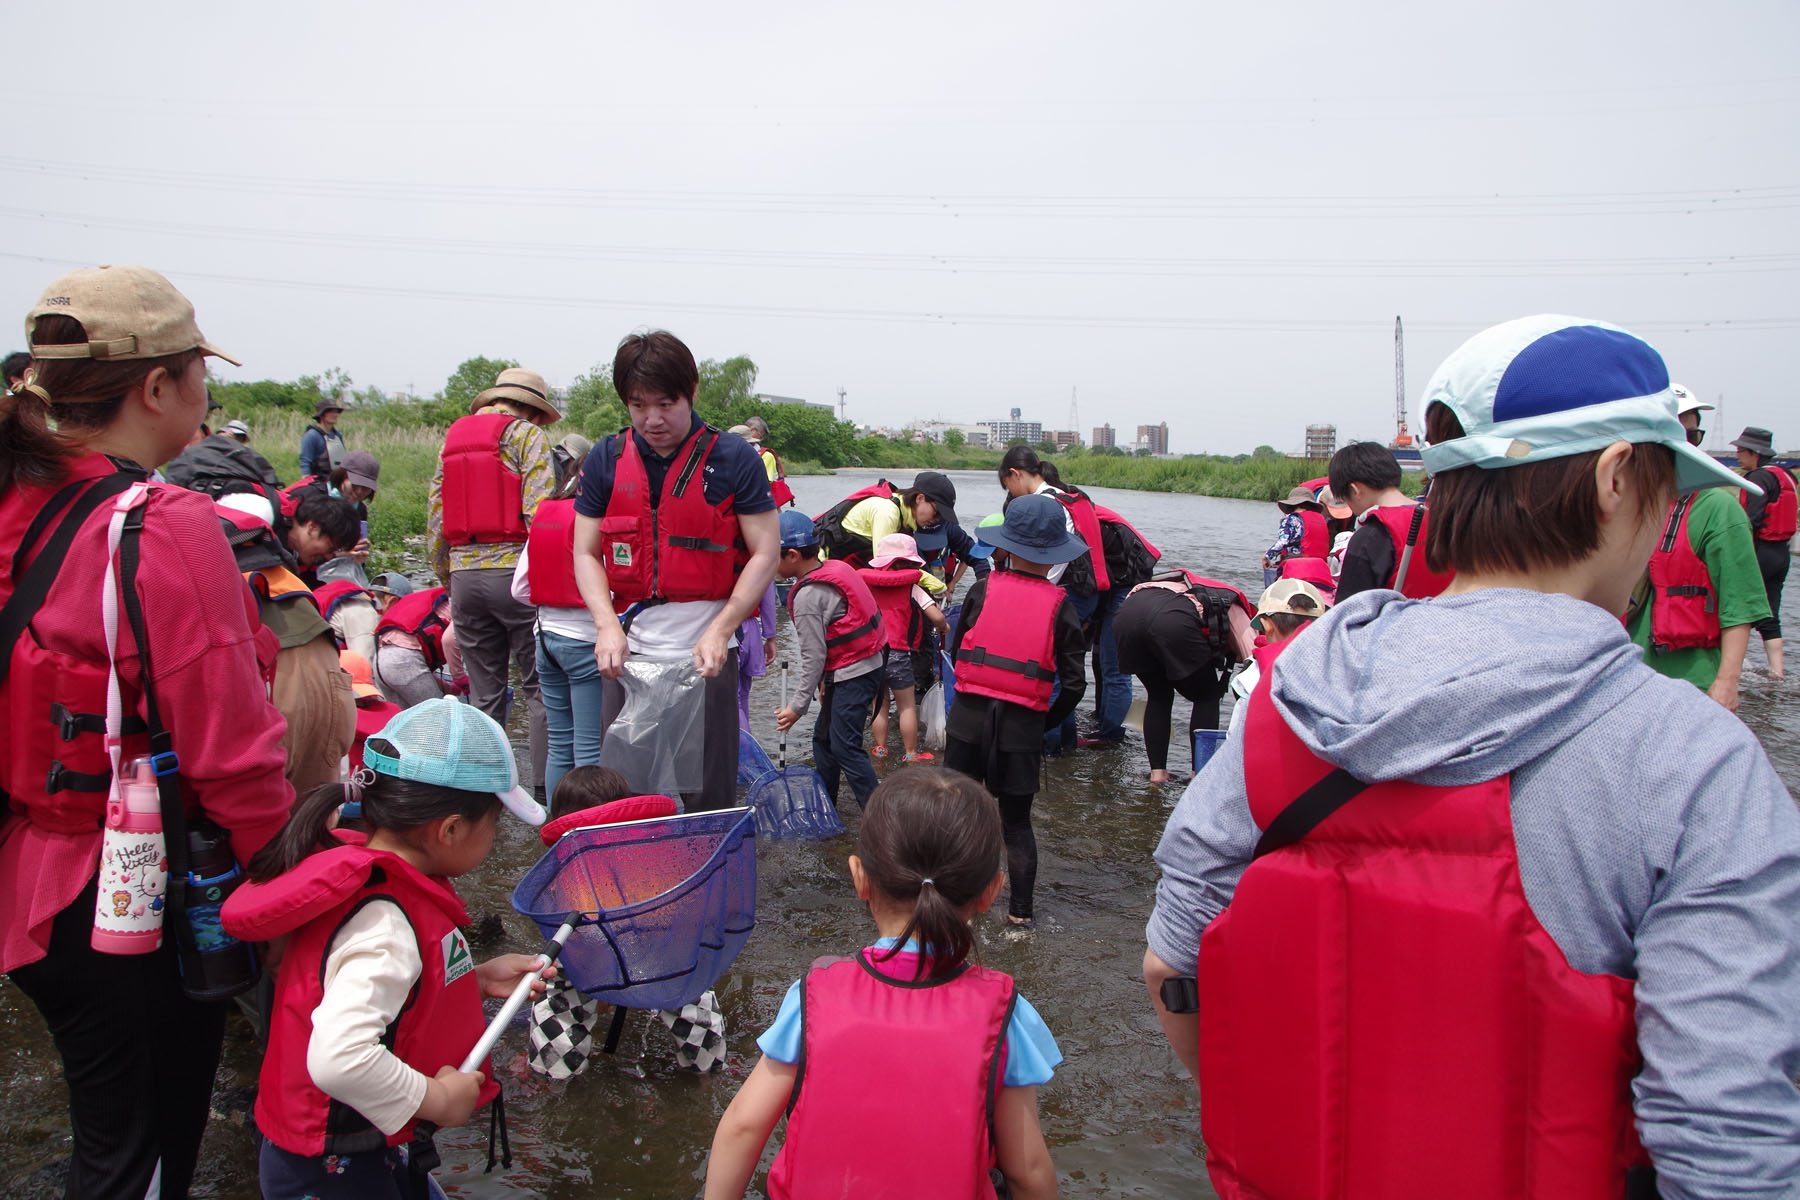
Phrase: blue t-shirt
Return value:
(1031, 1052)
(733, 469)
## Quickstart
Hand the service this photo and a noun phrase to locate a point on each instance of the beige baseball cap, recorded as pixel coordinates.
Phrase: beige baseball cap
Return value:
(128, 312)
(1294, 596)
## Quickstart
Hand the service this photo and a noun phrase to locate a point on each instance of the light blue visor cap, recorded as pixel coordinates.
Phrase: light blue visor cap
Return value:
(1549, 386)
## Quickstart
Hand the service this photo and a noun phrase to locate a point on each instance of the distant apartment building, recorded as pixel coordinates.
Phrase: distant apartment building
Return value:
(973, 435)
(1103, 436)
(1062, 439)
(1155, 438)
(1002, 432)
(1321, 441)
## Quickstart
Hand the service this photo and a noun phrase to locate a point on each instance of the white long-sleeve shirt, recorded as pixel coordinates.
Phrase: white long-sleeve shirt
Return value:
(370, 970)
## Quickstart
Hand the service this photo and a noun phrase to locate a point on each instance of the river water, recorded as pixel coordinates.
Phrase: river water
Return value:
(1121, 1117)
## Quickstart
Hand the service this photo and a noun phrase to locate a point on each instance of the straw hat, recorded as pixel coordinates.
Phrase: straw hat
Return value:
(519, 386)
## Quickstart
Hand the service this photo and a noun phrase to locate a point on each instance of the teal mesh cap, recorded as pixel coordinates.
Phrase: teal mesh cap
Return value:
(1550, 386)
(454, 745)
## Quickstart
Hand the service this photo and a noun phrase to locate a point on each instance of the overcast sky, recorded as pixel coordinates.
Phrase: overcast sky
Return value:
(1208, 214)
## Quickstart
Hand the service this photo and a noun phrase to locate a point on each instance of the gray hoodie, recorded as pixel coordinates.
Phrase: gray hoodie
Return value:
(1655, 840)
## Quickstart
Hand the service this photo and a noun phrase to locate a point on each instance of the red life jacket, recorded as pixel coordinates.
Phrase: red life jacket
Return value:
(1781, 513)
(858, 633)
(54, 768)
(681, 548)
(1090, 521)
(417, 614)
(1010, 654)
(778, 486)
(289, 497)
(900, 617)
(372, 717)
(1684, 607)
(550, 572)
(330, 595)
(1421, 580)
(442, 1019)
(1317, 572)
(1315, 534)
(883, 1051)
(1385, 1017)
(483, 498)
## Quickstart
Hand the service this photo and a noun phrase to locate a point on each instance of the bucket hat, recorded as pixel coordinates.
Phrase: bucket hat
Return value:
(363, 469)
(1550, 386)
(1755, 440)
(797, 531)
(894, 548)
(576, 447)
(128, 312)
(521, 387)
(1296, 498)
(1036, 529)
(327, 405)
(454, 745)
(937, 488)
(1280, 597)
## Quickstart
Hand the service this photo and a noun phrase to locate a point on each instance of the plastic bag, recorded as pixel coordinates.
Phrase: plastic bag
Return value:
(937, 706)
(658, 739)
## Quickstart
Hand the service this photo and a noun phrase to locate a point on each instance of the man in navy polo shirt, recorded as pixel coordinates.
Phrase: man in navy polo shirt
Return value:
(675, 536)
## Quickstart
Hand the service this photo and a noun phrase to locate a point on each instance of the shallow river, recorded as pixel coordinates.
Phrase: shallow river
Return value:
(1121, 1116)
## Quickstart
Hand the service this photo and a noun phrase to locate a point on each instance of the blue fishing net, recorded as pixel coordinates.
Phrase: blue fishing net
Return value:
(792, 804)
(669, 903)
(753, 761)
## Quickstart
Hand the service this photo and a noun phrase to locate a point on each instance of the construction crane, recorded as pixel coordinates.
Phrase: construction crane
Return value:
(1403, 438)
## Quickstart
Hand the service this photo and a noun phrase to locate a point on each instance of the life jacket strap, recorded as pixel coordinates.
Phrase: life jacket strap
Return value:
(73, 724)
(699, 543)
(980, 656)
(61, 779)
(850, 635)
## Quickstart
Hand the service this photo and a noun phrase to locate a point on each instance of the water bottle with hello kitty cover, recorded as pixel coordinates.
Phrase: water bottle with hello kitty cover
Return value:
(134, 866)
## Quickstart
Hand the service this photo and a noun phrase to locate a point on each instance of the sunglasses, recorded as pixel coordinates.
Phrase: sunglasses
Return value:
(1695, 436)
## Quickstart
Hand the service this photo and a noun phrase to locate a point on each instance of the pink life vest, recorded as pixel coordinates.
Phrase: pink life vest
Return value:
(1684, 605)
(858, 633)
(884, 1051)
(1383, 1015)
(1421, 581)
(900, 617)
(439, 1025)
(550, 554)
(1010, 654)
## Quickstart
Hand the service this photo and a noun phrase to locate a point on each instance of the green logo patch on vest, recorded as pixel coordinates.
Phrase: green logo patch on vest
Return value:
(621, 554)
(457, 959)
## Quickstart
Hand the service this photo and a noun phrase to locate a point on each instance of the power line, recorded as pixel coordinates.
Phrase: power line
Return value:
(1231, 324)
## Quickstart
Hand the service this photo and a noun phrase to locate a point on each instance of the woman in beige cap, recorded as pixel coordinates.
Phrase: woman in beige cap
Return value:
(117, 385)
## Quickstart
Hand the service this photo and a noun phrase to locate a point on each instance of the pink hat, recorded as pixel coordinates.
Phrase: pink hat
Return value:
(896, 547)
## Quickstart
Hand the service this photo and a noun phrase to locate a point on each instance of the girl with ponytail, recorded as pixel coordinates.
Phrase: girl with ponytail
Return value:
(906, 1070)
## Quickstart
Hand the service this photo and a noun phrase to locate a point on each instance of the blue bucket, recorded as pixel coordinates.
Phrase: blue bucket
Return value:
(1206, 744)
(667, 904)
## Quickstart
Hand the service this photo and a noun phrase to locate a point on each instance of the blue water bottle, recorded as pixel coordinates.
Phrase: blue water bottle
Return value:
(216, 966)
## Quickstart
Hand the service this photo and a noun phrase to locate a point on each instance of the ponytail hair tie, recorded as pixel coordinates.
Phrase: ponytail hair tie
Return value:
(31, 385)
(926, 880)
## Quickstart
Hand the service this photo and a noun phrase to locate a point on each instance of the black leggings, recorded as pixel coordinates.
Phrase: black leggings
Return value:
(1205, 688)
(138, 1056)
(1021, 853)
(1772, 559)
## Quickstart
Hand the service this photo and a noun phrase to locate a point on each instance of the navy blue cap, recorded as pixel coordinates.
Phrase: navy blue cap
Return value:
(1037, 530)
(797, 530)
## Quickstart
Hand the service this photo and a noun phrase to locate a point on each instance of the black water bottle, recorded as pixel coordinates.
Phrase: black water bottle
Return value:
(214, 965)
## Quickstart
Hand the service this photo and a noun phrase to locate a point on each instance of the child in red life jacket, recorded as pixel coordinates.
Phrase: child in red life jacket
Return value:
(898, 580)
(885, 1063)
(1286, 607)
(378, 997)
(1019, 634)
(842, 643)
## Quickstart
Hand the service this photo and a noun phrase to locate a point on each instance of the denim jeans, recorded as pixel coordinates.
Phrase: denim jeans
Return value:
(569, 681)
(838, 735)
(1114, 685)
